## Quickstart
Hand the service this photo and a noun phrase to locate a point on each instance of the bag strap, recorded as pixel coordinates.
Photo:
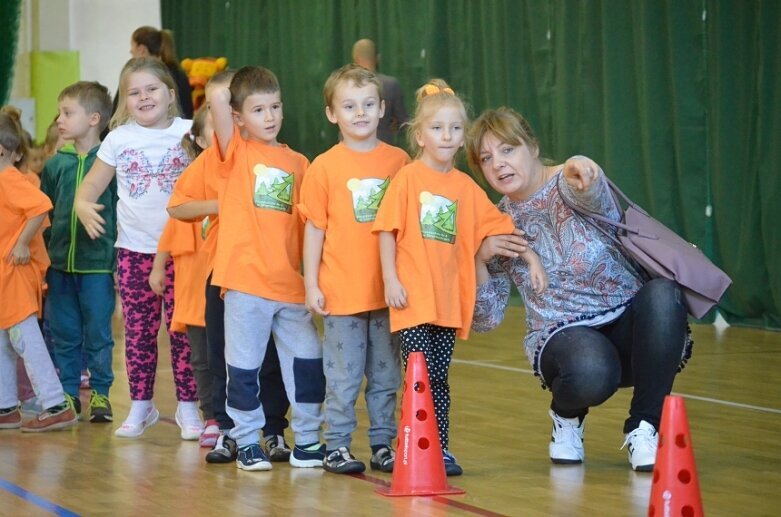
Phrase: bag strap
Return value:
(592, 217)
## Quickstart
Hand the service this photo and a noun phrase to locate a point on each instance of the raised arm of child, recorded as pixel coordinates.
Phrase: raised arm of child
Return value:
(157, 275)
(194, 210)
(20, 253)
(219, 98)
(395, 294)
(95, 183)
(314, 238)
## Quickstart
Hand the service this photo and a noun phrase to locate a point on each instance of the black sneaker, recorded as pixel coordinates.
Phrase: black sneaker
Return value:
(276, 448)
(308, 456)
(99, 408)
(341, 461)
(252, 457)
(75, 404)
(383, 459)
(224, 451)
(451, 467)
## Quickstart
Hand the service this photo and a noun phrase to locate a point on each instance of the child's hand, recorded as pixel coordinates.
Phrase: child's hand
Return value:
(580, 173)
(19, 255)
(88, 214)
(157, 281)
(395, 294)
(315, 301)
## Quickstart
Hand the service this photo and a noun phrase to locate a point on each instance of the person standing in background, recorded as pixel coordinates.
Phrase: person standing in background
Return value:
(365, 55)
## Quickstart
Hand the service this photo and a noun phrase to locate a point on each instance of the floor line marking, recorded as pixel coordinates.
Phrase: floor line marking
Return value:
(36, 500)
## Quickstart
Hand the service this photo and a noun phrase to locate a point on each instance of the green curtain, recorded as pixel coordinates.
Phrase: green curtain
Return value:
(10, 13)
(678, 100)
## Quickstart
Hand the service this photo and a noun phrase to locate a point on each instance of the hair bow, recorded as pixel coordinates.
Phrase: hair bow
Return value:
(432, 89)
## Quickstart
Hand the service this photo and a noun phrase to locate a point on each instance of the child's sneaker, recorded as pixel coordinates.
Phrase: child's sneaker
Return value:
(10, 418)
(188, 420)
(75, 404)
(341, 461)
(383, 459)
(252, 457)
(57, 417)
(566, 443)
(210, 434)
(452, 468)
(140, 418)
(276, 448)
(642, 444)
(99, 408)
(225, 450)
(307, 456)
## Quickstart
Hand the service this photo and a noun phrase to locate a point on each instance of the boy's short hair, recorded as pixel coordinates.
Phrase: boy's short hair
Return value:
(93, 97)
(351, 72)
(250, 80)
(11, 133)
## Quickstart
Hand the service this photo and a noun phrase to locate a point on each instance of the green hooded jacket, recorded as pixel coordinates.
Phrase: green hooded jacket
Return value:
(70, 248)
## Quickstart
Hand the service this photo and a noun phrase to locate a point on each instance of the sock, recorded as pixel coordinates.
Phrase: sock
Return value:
(309, 446)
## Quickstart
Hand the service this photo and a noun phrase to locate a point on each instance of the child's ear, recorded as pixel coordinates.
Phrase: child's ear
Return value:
(382, 108)
(419, 140)
(330, 115)
(94, 119)
(237, 118)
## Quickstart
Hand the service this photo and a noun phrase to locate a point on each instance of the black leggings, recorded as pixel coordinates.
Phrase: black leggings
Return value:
(584, 366)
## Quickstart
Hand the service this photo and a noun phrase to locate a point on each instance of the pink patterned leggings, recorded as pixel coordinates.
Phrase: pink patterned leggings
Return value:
(141, 308)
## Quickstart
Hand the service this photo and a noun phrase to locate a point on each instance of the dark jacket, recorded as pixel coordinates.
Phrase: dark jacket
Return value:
(70, 248)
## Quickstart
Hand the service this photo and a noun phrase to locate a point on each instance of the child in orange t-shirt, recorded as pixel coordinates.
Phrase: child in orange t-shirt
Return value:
(340, 196)
(431, 223)
(258, 265)
(23, 263)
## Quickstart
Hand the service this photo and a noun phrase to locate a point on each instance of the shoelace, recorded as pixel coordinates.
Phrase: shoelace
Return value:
(98, 401)
(641, 435)
(566, 432)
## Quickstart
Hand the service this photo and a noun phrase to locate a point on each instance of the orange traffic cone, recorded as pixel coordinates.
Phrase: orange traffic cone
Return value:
(419, 468)
(675, 490)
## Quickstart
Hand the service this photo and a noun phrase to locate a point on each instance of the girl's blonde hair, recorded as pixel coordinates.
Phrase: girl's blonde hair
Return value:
(150, 65)
(429, 98)
(191, 147)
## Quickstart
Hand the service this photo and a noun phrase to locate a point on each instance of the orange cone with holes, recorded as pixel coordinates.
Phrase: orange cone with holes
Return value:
(675, 489)
(419, 468)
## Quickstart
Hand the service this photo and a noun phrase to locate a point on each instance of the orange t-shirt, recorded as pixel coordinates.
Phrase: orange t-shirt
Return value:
(32, 178)
(341, 193)
(440, 219)
(185, 244)
(261, 233)
(201, 181)
(21, 286)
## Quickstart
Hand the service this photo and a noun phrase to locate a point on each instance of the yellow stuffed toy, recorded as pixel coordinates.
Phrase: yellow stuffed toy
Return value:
(199, 70)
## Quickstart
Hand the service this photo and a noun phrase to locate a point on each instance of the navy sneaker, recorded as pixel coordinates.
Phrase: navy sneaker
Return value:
(225, 450)
(252, 457)
(451, 467)
(383, 459)
(308, 456)
(341, 461)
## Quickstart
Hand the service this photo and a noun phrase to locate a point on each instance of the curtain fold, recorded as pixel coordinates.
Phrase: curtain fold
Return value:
(677, 100)
(10, 14)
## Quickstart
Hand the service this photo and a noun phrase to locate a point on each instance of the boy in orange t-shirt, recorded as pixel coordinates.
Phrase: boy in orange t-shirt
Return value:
(258, 265)
(340, 196)
(23, 263)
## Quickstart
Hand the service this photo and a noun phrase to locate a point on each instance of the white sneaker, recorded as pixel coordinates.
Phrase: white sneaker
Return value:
(188, 420)
(642, 444)
(566, 443)
(138, 420)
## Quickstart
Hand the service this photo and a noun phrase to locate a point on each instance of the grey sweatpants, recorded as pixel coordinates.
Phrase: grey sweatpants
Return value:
(354, 346)
(249, 320)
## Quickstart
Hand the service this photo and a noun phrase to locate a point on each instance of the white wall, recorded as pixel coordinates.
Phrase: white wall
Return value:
(98, 29)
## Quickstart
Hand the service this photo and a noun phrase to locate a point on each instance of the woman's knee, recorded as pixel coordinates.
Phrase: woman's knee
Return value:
(661, 295)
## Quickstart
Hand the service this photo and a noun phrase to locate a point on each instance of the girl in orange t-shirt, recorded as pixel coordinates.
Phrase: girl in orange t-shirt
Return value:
(431, 223)
(23, 262)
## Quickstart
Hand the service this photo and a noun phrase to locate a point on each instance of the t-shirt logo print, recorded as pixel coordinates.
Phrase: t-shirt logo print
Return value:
(438, 217)
(273, 188)
(367, 196)
(139, 171)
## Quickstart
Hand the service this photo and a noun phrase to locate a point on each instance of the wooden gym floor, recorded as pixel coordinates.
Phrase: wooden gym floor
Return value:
(500, 430)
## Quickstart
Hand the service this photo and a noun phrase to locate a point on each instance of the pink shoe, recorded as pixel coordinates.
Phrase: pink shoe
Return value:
(210, 434)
